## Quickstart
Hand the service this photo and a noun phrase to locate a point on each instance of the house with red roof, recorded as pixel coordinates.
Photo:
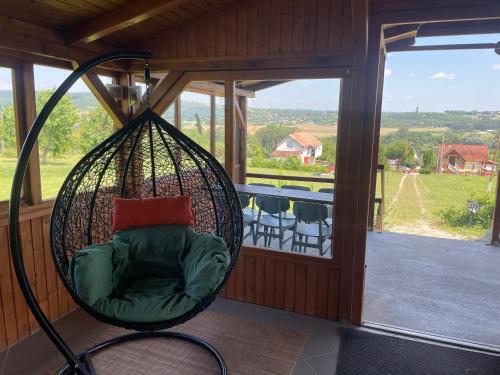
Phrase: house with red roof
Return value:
(299, 144)
(457, 158)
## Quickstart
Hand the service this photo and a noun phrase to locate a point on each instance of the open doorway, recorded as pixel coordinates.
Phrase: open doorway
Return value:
(429, 269)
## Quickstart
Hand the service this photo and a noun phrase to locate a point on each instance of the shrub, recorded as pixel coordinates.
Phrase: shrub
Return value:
(291, 164)
(459, 216)
(425, 170)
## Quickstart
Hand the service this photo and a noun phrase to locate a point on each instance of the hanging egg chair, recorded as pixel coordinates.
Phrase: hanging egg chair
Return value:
(147, 277)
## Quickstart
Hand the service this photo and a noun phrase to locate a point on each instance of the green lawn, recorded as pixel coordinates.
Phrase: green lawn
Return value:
(435, 193)
(52, 175)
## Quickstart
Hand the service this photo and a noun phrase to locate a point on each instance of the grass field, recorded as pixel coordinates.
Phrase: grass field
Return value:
(415, 208)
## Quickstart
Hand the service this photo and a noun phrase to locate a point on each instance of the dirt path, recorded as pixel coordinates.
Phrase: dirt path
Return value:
(422, 225)
(398, 193)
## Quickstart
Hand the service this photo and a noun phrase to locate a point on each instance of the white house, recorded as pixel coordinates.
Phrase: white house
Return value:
(299, 144)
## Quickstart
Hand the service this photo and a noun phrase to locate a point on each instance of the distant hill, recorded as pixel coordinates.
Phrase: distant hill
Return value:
(458, 120)
(83, 100)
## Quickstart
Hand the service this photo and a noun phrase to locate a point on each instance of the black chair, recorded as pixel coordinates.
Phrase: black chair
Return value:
(147, 157)
(329, 219)
(310, 222)
(248, 218)
(272, 205)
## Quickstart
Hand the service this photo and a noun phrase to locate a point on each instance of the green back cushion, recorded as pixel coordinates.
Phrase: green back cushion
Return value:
(92, 272)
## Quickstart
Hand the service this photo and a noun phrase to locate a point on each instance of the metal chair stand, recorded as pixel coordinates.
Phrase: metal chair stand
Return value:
(86, 362)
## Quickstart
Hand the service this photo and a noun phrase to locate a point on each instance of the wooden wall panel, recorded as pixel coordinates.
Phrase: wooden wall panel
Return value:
(292, 282)
(260, 28)
(16, 320)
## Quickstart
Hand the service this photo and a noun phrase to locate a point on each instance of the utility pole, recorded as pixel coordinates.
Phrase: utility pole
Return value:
(490, 182)
(439, 168)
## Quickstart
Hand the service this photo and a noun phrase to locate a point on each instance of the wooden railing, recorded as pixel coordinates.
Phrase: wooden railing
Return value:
(291, 178)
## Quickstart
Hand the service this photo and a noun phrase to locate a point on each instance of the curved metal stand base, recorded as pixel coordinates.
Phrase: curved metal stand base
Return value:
(85, 357)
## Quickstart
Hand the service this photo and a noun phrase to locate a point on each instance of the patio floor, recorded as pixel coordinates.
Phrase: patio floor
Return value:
(319, 357)
(444, 287)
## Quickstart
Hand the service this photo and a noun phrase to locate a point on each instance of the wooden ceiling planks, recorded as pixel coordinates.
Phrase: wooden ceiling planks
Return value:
(259, 28)
(68, 15)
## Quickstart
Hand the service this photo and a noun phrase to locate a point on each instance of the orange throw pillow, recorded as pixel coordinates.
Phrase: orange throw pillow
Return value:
(136, 213)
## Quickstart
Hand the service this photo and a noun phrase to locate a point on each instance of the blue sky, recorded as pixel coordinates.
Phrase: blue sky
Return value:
(434, 81)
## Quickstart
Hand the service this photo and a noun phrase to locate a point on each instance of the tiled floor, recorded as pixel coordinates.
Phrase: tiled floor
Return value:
(319, 357)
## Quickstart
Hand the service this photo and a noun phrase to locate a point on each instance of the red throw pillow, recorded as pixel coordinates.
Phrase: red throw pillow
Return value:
(135, 213)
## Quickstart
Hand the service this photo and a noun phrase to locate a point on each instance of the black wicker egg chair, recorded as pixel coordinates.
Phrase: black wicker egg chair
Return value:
(146, 158)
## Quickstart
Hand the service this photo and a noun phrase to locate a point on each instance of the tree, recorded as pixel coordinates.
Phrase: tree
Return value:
(329, 149)
(396, 150)
(430, 158)
(8, 131)
(269, 136)
(94, 128)
(55, 137)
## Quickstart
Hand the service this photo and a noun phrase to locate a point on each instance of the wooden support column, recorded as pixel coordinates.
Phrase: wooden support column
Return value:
(241, 137)
(376, 138)
(230, 130)
(213, 123)
(178, 112)
(23, 80)
(355, 150)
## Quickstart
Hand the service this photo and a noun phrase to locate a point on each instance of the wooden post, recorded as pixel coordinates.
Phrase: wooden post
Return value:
(376, 138)
(23, 80)
(241, 137)
(178, 113)
(354, 164)
(230, 131)
(213, 122)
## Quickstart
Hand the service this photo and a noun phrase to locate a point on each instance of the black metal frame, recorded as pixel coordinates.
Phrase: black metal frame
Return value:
(86, 356)
(225, 216)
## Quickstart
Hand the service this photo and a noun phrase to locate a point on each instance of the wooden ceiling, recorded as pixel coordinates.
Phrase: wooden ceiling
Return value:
(85, 21)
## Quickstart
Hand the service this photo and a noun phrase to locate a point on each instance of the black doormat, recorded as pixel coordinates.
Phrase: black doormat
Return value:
(365, 353)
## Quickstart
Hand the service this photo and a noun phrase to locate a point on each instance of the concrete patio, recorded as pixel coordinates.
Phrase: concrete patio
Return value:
(442, 287)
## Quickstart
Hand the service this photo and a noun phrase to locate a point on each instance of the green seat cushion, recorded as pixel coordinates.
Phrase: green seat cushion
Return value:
(159, 273)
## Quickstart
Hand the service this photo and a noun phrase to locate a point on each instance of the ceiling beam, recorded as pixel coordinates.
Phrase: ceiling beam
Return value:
(211, 88)
(46, 46)
(460, 28)
(401, 32)
(135, 12)
(50, 49)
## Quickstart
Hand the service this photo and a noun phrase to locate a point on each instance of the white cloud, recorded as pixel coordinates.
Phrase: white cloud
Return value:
(442, 75)
(496, 66)
(412, 74)
(387, 72)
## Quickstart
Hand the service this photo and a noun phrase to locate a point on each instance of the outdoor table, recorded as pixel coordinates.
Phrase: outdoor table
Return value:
(293, 195)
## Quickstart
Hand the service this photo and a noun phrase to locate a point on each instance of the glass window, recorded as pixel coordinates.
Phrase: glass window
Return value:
(8, 145)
